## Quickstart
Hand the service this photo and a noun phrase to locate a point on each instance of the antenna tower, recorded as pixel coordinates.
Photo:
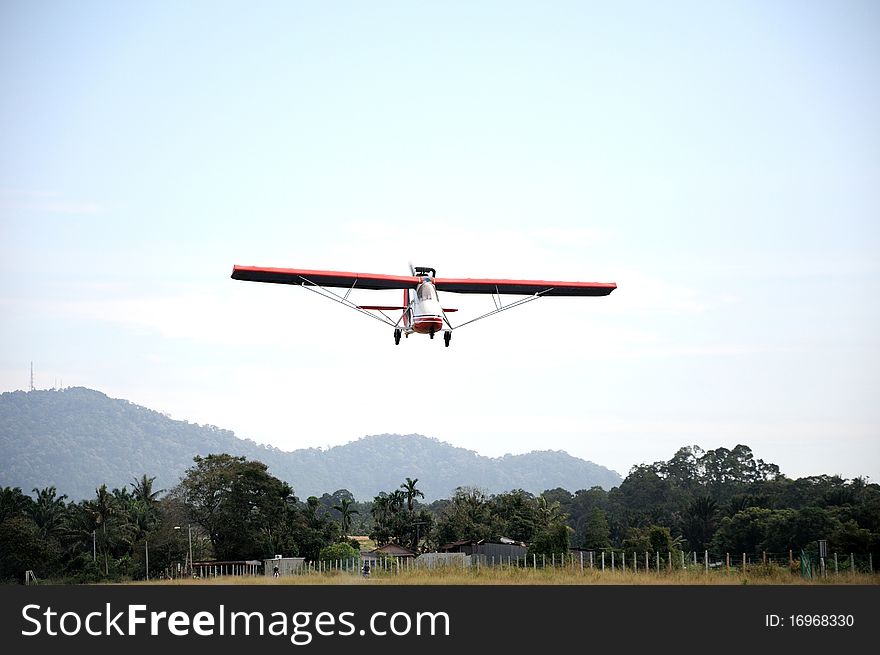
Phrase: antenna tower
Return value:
(32, 376)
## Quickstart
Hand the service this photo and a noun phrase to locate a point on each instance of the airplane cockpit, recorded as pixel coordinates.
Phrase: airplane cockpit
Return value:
(426, 291)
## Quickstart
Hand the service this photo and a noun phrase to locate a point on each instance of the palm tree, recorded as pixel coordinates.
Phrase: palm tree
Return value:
(411, 492)
(700, 522)
(344, 508)
(48, 511)
(395, 501)
(143, 490)
(143, 511)
(380, 508)
(102, 508)
(12, 502)
(381, 512)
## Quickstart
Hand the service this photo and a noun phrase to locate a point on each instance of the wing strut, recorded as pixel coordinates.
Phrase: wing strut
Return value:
(498, 308)
(343, 300)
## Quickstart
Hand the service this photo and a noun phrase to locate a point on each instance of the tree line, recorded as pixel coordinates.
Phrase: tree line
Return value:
(231, 508)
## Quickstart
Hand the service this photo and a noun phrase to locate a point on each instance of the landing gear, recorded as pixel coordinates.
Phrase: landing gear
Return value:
(396, 336)
(447, 337)
(432, 334)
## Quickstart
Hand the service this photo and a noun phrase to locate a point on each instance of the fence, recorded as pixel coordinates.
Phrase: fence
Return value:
(602, 561)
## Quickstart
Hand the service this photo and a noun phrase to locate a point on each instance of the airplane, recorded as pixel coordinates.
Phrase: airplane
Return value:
(421, 310)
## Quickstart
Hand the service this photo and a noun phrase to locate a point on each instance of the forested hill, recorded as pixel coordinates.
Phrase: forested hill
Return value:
(77, 439)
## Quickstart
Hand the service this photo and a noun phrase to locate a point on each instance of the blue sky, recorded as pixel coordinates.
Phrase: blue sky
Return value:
(719, 161)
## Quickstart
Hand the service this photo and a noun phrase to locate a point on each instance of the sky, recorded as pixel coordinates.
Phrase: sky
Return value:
(719, 161)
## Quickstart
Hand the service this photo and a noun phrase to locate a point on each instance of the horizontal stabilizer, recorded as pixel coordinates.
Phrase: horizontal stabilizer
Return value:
(380, 307)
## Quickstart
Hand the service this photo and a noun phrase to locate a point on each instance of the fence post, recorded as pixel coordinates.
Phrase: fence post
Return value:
(852, 564)
(682, 559)
(582, 561)
(591, 560)
(728, 562)
(836, 570)
(706, 560)
(744, 562)
(647, 567)
(603, 560)
(871, 563)
(668, 560)
(612, 560)
(657, 560)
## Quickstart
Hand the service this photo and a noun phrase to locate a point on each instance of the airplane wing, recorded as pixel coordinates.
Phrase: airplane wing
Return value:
(524, 287)
(373, 281)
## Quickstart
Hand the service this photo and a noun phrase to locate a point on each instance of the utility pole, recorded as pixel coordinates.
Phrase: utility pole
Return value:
(147, 554)
(190, 537)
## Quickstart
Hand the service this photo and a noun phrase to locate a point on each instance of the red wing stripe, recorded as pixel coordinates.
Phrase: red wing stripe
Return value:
(343, 279)
(525, 287)
(375, 281)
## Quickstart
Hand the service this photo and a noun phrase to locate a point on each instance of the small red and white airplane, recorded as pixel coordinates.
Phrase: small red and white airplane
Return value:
(421, 310)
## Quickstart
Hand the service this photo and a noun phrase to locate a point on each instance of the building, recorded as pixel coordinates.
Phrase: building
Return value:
(498, 550)
(389, 551)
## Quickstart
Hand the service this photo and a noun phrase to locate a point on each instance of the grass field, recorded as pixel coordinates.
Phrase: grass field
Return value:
(758, 575)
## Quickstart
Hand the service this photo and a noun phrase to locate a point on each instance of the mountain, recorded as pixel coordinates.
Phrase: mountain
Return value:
(78, 439)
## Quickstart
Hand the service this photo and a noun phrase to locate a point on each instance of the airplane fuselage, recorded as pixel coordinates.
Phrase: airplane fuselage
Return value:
(425, 313)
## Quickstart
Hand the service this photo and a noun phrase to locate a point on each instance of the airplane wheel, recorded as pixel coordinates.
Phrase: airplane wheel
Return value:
(396, 337)
(447, 337)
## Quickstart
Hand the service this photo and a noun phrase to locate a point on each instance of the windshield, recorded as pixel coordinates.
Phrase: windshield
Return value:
(426, 291)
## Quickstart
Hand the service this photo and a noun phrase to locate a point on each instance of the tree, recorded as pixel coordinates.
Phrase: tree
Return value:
(411, 492)
(241, 507)
(48, 512)
(468, 516)
(143, 490)
(555, 539)
(744, 532)
(102, 509)
(346, 512)
(652, 539)
(596, 533)
(515, 515)
(552, 535)
(381, 511)
(699, 522)
(395, 500)
(12, 503)
(22, 548)
(340, 551)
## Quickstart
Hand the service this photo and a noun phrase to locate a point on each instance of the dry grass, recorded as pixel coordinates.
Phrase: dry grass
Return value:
(513, 576)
